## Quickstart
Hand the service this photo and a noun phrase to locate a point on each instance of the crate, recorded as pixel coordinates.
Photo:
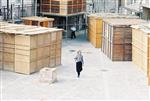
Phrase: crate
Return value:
(117, 38)
(141, 48)
(48, 75)
(26, 49)
(38, 21)
(95, 26)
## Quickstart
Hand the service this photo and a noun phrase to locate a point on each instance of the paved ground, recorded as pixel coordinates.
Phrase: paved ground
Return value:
(100, 79)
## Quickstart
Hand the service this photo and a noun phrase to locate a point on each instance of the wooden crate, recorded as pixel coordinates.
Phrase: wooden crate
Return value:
(95, 26)
(38, 21)
(141, 47)
(117, 35)
(27, 49)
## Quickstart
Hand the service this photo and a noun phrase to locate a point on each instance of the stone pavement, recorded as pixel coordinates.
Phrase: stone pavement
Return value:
(100, 79)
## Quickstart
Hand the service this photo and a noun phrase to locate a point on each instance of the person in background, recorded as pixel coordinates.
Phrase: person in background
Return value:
(73, 35)
(79, 62)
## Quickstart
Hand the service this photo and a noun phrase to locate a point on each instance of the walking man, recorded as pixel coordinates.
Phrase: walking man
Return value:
(73, 35)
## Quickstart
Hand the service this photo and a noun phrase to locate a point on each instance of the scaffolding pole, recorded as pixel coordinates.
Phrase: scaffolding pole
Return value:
(66, 27)
(22, 8)
(7, 9)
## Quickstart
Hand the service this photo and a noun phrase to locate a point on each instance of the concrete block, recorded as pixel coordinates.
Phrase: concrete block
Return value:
(48, 75)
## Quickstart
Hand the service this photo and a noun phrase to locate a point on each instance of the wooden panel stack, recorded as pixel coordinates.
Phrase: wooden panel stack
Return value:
(38, 21)
(27, 49)
(63, 7)
(141, 47)
(117, 38)
(95, 26)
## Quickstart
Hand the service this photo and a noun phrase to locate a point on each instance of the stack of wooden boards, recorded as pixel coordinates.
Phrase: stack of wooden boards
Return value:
(38, 21)
(63, 7)
(95, 26)
(117, 38)
(141, 47)
(27, 49)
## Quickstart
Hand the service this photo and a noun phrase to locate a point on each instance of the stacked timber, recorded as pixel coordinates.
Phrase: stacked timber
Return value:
(27, 49)
(117, 38)
(95, 26)
(38, 21)
(63, 7)
(141, 47)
